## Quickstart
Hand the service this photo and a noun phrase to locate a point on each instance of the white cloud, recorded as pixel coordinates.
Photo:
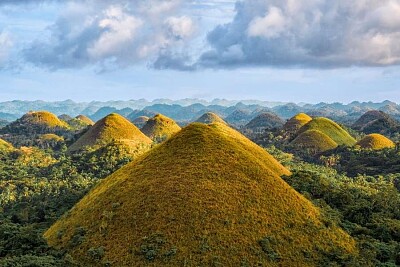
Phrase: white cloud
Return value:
(6, 44)
(180, 27)
(308, 33)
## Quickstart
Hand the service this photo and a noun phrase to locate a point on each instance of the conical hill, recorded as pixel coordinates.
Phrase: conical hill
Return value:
(36, 122)
(208, 196)
(160, 128)
(315, 141)
(376, 142)
(85, 119)
(209, 118)
(111, 128)
(331, 129)
(296, 122)
(140, 121)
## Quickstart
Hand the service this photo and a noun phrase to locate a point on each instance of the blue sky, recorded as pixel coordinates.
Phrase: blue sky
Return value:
(298, 51)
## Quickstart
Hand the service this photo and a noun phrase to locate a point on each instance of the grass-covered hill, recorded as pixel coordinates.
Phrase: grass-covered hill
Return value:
(85, 119)
(265, 120)
(209, 118)
(208, 196)
(295, 123)
(314, 141)
(160, 128)
(110, 129)
(330, 128)
(140, 121)
(375, 141)
(36, 122)
(5, 146)
(375, 121)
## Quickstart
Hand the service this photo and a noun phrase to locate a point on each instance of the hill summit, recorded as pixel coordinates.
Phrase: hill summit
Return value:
(36, 122)
(375, 121)
(330, 128)
(111, 128)
(295, 123)
(315, 141)
(160, 127)
(85, 119)
(210, 117)
(376, 142)
(207, 196)
(265, 120)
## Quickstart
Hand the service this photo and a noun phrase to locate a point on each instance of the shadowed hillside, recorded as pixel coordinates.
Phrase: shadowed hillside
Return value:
(206, 197)
(315, 141)
(111, 128)
(265, 120)
(375, 121)
(331, 129)
(209, 118)
(140, 121)
(295, 123)
(376, 142)
(160, 128)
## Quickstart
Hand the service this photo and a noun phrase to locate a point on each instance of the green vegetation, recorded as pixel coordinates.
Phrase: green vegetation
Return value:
(205, 196)
(209, 118)
(159, 128)
(331, 129)
(295, 123)
(314, 141)
(5, 146)
(375, 141)
(108, 130)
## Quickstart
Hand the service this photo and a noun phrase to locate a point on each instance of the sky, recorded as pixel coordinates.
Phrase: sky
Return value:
(274, 50)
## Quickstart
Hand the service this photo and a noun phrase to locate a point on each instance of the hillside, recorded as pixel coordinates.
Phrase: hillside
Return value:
(265, 120)
(85, 119)
(314, 140)
(209, 118)
(36, 122)
(375, 121)
(5, 146)
(295, 123)
(206, 197)
(331, 129)
(111, 128)
(140, 121)
(160, 128)
(376, 142)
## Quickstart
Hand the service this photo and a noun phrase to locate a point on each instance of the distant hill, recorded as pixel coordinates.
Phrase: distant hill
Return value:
(238, 117)
(375, 121)
(36, 122)
(265, 120)
(209, 118)
(331, 129)
(140, 121)
(111, 128)
(85, 119)
(314, 141)
(160, 128)
(206, 197)
(376, 142)
(141, 113)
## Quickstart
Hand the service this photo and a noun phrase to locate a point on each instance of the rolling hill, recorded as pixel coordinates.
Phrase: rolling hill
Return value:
(140, 121)
(265, 120)
(209, 118)
(85, 119)
(36, 122)
(331, 129)
(295, 123)
(208, 196)
(160, 128)
(375, 121)
(376, 142)
(315, 141)
(111, 128)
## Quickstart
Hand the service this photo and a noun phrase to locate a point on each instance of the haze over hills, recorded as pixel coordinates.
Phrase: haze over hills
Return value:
(207, 196)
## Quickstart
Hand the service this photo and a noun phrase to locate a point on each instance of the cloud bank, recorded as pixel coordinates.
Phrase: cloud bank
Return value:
(112, 33)
(263, 33)
(307, 33)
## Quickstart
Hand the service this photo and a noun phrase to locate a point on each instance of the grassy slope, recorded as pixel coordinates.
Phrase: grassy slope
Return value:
(51, 137)
(314, 139)
(375, 141)
(109, 129)
(207, 192)
(5, 146)
(209, 118)
(85, 119)
(296, 122)
(160, 126)
(43, 118)
(331, 129)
